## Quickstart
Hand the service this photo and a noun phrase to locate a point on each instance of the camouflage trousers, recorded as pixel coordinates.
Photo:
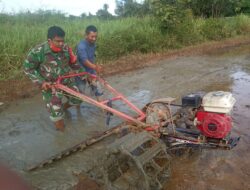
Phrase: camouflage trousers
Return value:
(54, 102)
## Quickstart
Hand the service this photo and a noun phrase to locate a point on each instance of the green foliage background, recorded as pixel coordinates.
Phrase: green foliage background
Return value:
(117, 36)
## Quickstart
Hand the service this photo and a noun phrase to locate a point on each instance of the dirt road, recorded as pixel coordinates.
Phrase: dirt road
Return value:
(28, 136)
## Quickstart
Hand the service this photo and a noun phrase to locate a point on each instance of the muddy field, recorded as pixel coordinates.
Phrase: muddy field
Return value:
(28, 136)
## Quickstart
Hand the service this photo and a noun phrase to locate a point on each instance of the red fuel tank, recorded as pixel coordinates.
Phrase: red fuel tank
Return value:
(214, 125)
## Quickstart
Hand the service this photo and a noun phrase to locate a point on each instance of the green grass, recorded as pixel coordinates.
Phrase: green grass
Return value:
(117, 37)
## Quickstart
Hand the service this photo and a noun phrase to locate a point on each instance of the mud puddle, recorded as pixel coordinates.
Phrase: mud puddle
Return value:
(28, 136)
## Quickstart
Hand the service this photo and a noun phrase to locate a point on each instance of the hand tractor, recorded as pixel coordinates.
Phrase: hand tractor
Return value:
(140, 157)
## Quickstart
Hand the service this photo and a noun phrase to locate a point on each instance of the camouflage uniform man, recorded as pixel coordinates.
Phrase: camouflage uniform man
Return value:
(44, 64)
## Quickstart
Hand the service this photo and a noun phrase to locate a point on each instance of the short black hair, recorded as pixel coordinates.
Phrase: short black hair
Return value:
(90, 28)
(54, 31)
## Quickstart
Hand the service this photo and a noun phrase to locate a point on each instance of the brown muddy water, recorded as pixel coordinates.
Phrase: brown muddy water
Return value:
(27, 136)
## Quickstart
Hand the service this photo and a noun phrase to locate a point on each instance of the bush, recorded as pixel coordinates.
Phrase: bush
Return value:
(187, 33)
(241, 24)
(212, 29)
(133, 35)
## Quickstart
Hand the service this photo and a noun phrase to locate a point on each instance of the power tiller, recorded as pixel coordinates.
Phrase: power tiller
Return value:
(201, 120)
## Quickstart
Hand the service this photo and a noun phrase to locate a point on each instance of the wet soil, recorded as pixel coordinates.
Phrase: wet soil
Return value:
(28, 136)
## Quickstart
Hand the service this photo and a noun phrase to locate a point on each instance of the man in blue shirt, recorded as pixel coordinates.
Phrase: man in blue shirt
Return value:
(86, 57)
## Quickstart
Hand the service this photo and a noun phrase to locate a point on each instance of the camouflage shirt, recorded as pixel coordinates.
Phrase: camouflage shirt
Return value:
(42, 64)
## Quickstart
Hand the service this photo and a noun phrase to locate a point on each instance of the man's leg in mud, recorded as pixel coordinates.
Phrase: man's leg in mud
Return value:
(96, 89)
(72, 101)
(55, 108)
(81, 84)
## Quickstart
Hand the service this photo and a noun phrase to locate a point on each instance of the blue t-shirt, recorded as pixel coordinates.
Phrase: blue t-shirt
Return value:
(86, 51)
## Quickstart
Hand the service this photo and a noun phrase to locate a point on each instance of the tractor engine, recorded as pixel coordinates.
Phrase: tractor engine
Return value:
(214, 125)
(212, 115)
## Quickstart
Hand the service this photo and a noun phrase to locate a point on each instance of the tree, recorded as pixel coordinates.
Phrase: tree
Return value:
(129, 8)
(216, 8)
(211, 8)
(83, 15)
(169, 13)
(243, 6)
(203, 8)
(103, 13)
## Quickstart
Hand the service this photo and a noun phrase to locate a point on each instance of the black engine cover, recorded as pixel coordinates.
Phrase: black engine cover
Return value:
(191, 100)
